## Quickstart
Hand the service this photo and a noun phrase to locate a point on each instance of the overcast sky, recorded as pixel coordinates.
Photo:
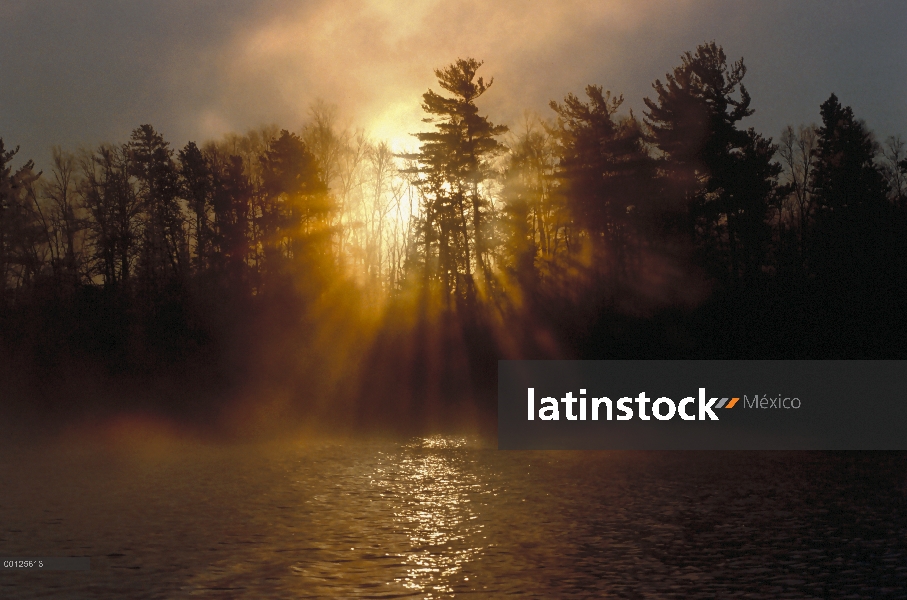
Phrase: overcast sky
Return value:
(81, 72)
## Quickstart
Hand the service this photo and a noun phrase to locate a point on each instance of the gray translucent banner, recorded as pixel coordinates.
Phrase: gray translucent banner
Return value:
(702, 405)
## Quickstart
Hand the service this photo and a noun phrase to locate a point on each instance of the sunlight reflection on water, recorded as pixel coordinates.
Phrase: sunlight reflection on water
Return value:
(447, 516)
(435, 510)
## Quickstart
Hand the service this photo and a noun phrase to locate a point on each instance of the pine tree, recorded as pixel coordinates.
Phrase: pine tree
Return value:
(853, 214)
(197, 189)
(453, 165)
(165, 248)
(724, 175)
(298, 208)
(605, 172)
(231, 207)
(846, 176)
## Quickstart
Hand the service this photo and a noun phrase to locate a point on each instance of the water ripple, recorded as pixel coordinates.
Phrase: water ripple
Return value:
(445, 516)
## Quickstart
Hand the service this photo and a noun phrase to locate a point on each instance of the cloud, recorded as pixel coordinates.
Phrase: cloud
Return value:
(81, 72)
(375, 58)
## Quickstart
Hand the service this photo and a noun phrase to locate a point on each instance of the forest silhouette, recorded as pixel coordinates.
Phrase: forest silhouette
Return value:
(275, 279)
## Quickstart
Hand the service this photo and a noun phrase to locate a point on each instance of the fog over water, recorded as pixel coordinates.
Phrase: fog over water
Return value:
(265, 365)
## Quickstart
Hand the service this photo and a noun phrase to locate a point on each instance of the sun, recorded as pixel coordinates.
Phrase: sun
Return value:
(396, 124)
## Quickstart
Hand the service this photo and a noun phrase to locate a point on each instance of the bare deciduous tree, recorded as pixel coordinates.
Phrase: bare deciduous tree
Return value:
(797, 150)
(894, 167)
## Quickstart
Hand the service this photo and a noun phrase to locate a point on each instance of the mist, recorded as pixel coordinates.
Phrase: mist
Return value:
(81, 73)
(247, 227)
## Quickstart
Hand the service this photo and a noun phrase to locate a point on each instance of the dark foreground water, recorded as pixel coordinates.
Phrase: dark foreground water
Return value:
(447, 516)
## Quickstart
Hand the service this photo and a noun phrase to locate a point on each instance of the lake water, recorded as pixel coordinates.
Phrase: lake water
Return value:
(447, 516)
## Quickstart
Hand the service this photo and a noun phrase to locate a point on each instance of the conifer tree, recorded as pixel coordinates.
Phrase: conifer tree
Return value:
(297, 207)
(197, 189)
(853, 214)
(231, 207)
(605, 172)
(453, 164)
(846, 175)
(164, 249)
(712, 166)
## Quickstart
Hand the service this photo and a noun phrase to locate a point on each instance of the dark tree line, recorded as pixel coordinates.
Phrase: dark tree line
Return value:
(134, 261)
(803, 243)
(678, 234)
